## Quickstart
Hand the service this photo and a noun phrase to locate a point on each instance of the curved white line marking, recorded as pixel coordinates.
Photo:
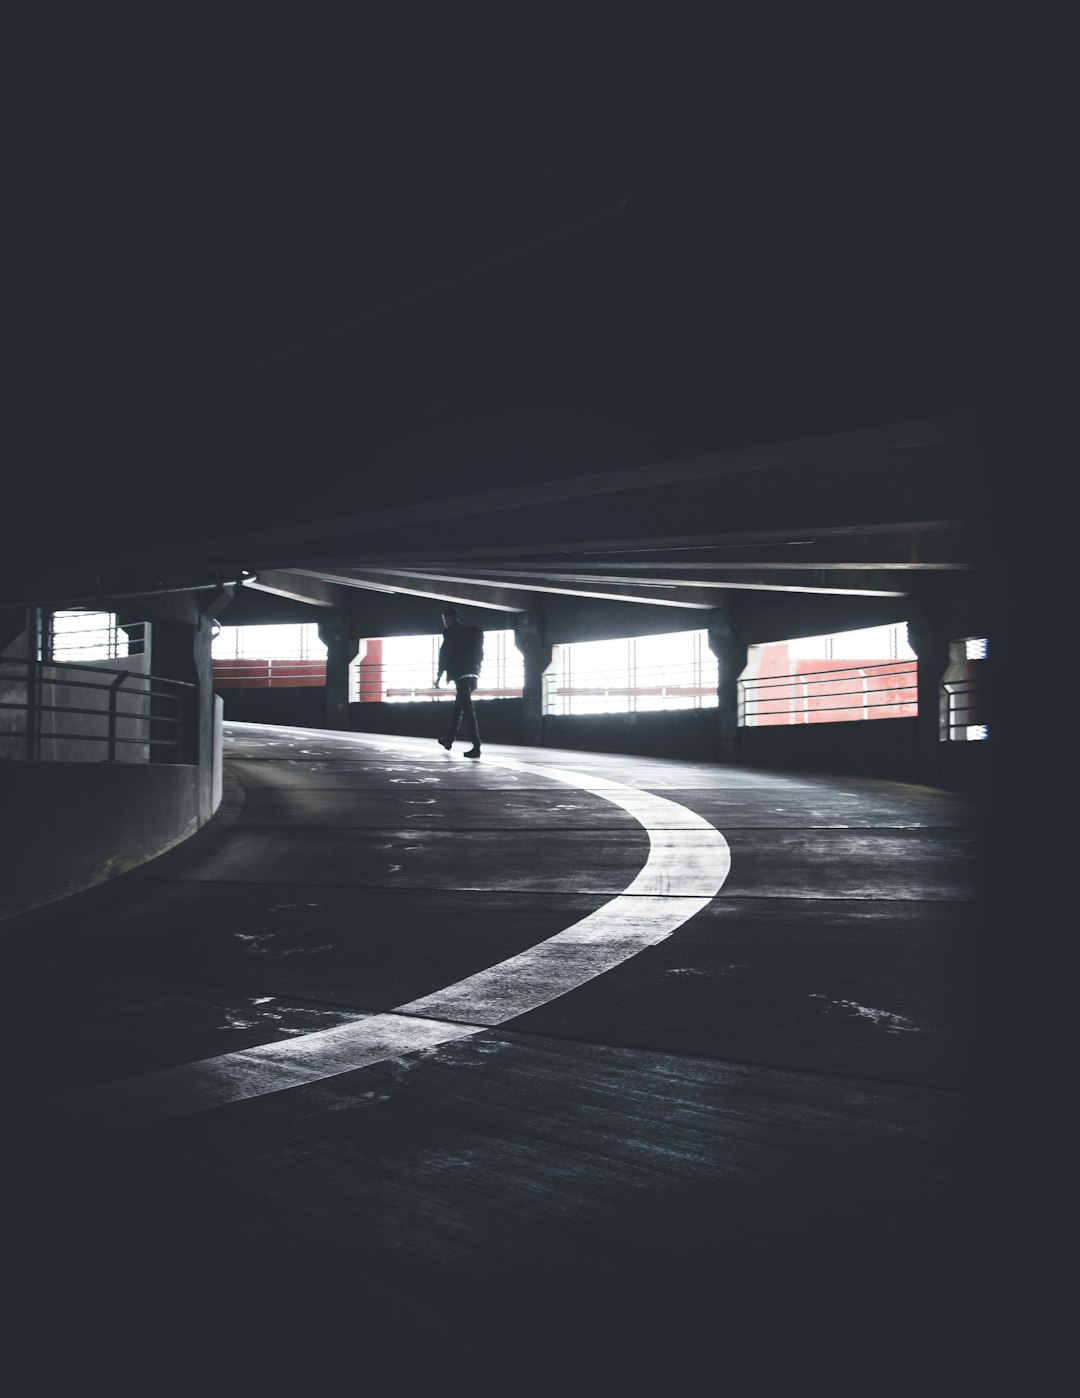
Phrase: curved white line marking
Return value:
(688, 862)
(687, 865)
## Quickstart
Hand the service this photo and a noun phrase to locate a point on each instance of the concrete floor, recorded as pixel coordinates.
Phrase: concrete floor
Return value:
(251, 1145)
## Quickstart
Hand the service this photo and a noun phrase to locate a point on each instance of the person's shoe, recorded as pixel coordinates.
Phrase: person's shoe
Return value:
(472, 752)
(444, 744)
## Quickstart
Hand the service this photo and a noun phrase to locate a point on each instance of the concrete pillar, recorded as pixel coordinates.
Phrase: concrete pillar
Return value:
(12, 626)
(966, 679)
(337, 635)
(932, 649)
(178, 639)
(730, 662)
(21, 634)
(529, 639)
(180, 650)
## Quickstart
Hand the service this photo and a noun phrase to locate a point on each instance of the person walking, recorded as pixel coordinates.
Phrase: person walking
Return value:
(460, 658)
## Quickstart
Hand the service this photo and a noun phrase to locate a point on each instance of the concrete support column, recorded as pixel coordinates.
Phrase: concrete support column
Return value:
(20, 684)
(180, 650)
(336, 634)
(181, 628)
(932, 649)
(730, 662)
(12, 626)
(529, 639)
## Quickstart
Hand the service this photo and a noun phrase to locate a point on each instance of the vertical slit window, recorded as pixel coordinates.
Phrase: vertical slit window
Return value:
(963, 699)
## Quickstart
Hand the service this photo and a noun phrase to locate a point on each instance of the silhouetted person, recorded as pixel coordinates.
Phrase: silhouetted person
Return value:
(460, 657)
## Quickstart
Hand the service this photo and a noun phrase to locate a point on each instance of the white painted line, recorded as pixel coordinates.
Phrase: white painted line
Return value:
(215, 1082)
(687, 865)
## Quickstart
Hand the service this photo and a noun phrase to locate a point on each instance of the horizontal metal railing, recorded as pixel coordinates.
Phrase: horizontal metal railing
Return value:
(966, 706)
(376, 683)
(573, 687)
(78, 634)
(634, 689)
(33, 689)
(870, 689)
(568, 699)
(268, 673)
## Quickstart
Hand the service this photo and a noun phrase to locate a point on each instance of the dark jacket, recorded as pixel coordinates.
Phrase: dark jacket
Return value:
(462, 651)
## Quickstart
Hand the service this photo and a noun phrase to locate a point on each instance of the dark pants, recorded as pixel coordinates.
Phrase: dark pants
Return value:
(463, 708)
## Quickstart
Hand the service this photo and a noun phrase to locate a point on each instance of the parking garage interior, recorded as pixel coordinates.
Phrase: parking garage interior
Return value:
(681, 1043)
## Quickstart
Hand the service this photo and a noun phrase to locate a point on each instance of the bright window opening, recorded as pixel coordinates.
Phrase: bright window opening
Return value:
(963, 697)
(632, 675)
(78, 635)
(401, 670)
(847, 675)
(268, 657)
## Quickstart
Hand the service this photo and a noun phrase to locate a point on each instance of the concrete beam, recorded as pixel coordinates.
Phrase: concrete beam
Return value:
(98, 591)
(494, 596)
(738, 559)
(808, 454)
(475, 590)
(943, 543)
(298, 587)
(673, 591)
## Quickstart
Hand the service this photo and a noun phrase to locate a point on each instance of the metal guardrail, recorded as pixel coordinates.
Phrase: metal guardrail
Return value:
(389, 683)
(268, 673)
(560, 699)
(573, 687)
(966, 706)
(40, 680)
(77, 634)
(846, 692)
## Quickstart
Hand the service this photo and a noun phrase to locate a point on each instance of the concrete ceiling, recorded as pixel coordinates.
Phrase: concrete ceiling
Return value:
(501, 314)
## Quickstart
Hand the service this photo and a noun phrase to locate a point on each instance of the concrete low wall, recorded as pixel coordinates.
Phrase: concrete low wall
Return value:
(684, 733)
(967, 767)
(65, 826)
(499, 719)
(884, 747)
(217, 766)
(887, 748)
(291, 707)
